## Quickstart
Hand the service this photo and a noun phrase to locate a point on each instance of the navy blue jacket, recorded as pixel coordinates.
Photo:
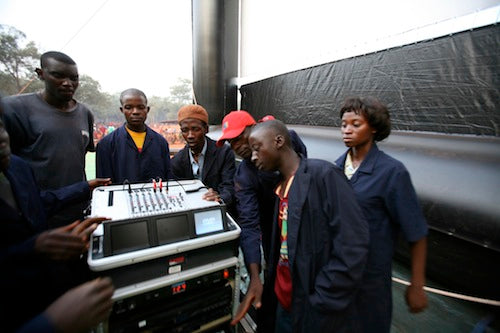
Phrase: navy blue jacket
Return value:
(327, 241)
(117, 157)
(39, 324)
(35, 205)
(255, 200)
(218, 171)
(385, 192)
(26, 275)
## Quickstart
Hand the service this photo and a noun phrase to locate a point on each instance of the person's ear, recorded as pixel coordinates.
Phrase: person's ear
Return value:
(147, 109)
(121, 109)
(39, 73)
(280, 141)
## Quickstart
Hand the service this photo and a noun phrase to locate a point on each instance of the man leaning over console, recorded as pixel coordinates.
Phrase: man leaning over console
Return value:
(202, 159)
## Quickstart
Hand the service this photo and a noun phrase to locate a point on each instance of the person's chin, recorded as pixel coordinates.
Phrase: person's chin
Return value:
(66, 95)
(136, 122)
(348, 143)
(4, 163)
(245, 156)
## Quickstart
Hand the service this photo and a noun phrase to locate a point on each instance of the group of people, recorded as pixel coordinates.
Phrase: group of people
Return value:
(326, 232)
(45, 282)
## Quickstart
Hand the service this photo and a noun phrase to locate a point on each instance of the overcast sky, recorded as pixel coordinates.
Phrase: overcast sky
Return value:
(147, 43)
(120, 43)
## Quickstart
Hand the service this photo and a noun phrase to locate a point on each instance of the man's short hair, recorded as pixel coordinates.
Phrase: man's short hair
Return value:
(132, 91)
(277, 127)
(59, 56)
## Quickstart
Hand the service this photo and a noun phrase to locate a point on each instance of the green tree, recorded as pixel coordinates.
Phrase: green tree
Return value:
(17, 60)
(165, 108)
(103, 105)
(181, 92)
(162, 109)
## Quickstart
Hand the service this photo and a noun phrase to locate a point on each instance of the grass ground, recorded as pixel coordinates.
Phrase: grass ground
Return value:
(90, 165)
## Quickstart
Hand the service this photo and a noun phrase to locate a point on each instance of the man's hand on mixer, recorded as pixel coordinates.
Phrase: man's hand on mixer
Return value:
(69, 241)
(93, 183)
(211, 195)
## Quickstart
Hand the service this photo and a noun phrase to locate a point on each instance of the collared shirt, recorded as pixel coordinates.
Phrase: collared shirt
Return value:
(198, 166)
(349, 168)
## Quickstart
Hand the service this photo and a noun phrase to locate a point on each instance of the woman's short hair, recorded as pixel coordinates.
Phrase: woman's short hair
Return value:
(375, 112)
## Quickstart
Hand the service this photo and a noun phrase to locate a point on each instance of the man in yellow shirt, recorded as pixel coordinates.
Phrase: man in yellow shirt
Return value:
(133, 152)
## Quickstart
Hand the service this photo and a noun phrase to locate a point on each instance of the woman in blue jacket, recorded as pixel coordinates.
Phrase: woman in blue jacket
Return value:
(386, 195)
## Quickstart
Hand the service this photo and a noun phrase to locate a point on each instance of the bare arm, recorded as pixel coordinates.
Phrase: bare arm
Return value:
(415, 294)
(253, 295)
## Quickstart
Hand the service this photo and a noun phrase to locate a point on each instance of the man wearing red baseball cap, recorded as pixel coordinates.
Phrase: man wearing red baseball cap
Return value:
(255, 202)
(233, 124)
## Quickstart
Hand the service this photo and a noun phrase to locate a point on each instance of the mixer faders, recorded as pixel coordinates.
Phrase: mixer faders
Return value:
(146, 201)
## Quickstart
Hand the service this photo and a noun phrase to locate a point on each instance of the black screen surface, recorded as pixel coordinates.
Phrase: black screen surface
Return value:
(171, 229)
(128, 237)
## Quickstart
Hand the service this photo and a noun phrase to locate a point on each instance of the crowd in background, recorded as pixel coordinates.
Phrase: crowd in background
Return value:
(170, 131)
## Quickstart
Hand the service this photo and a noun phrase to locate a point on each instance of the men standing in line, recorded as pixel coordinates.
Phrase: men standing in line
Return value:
(133, 152)
(52, 131)
(201, 159)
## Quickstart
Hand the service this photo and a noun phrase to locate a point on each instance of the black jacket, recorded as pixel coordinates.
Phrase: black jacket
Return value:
(218, 169)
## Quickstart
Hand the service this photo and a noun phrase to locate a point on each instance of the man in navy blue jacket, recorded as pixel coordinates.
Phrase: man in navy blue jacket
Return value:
(255, 202)
(38, 265)
(319, 241)
(133, 152)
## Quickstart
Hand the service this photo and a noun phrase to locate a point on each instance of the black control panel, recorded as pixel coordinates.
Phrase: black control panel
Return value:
(184, 306)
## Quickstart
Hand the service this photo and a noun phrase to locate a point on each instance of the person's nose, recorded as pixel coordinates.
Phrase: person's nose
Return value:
(67, 82)
(254, 157)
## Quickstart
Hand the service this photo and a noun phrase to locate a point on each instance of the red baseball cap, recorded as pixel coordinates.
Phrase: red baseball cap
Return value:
(266, 118)
(233, 124)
